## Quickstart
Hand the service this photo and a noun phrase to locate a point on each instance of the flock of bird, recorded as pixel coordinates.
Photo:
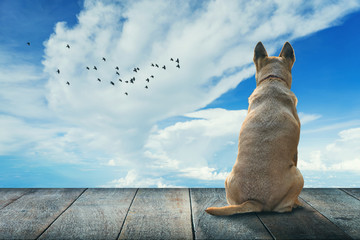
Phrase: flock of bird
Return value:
(135, 70)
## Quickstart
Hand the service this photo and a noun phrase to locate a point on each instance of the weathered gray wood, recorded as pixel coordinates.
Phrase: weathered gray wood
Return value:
(355, 192)
(97, 214)
(337, 206)
(159, 214)
(28, 217)
(301, 223)
(241, 226)
(9, 195)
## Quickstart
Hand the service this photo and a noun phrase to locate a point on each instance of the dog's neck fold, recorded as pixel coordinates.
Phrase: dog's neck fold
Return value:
(271, 76)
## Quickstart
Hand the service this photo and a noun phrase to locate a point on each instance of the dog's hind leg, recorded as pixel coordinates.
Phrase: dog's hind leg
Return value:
(245, 207)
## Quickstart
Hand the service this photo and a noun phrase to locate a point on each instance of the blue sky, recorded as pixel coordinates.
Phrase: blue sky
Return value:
(183, 130)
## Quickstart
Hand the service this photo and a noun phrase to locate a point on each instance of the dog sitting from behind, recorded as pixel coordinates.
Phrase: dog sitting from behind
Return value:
(265, 176)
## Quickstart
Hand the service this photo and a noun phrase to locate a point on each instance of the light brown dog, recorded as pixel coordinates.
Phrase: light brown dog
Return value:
(265, 176)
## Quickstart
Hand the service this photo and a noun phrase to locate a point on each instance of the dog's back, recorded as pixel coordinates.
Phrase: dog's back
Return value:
(265, 176)
(267, 146)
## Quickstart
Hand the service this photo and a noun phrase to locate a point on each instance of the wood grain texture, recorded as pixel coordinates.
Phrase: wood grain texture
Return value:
(355, 192)
(97, 214)
(9, 195)
(159, 214)
(337, 206)
(301, 223)
(241, 226)
(30, 215)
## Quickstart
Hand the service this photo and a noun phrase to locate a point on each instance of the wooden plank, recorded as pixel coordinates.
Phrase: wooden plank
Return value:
(31, 214)
(301, 223)
(355, 192)
(337, 206)
(159, 214)
(97, 214)
(9, 195)
(206, 226)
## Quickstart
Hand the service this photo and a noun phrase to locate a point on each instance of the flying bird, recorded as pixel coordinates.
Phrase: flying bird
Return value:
(135, 70)
(171, 59)
(112, 83)
(117, 73)
(99, 79)
(126, 93)
(104, 59)
(146, 87)
(120, 80)
(138, 69)
(67, 46)
(87, 68)
(126, 81)
(152, 76)
(164, 67)
(177, 60)
(28, 43)
(152, 65)
(117, 68)
(147, 80)
(95, 68)
(178, 66)
(67, 83)
(58, 71)
(156, 65)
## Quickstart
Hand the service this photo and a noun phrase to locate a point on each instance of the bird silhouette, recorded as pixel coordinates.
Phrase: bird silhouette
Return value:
(58, 71)
(117, 73)
(104, 59)
(147, 80)
(146, 87)
(117, 68)
(152, 76)
(135, 70)
(112, 83)
(95, 67)
(164, 67)
(171, 59)
(152, 65)
(126, 81)
(67, 83)
(67, 46)
(138, 69)
(156, 65)
(99, 79)
(28, 43)
(178, 66)
(120, 80)
(87, 68)
(126, 93)
(177, 60)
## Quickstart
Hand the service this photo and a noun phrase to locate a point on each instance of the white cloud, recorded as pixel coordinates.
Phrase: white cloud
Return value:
(133, 179)
(194, 144)
(306, 118)
(204, 173)
(97, 121)
(340, 155)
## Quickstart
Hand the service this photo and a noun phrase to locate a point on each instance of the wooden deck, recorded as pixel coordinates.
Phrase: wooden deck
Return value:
(146, 213)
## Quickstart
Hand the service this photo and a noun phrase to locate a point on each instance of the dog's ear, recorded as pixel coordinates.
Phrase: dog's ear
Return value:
(259, 51)
(287, 52)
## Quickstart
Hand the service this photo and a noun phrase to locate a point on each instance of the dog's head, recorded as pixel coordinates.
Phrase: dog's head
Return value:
(279, 67)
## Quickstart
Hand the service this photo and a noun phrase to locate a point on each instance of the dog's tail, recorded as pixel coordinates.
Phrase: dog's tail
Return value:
(245, 207)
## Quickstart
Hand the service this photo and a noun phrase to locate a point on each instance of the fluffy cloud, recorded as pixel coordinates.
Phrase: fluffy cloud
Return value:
(340, 155)
(95, 120)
